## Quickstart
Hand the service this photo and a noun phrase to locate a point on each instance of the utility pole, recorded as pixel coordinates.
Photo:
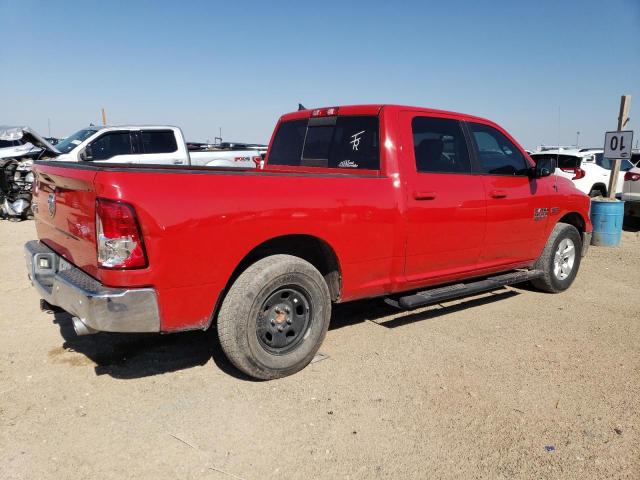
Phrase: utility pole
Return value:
(623, 118)
(104, 117)
(49, 126)
(577, 139)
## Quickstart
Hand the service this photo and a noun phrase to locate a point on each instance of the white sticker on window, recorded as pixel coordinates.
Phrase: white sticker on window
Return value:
(347, 164)
(355, 143)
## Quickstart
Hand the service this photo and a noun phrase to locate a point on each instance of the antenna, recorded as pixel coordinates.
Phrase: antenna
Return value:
(555, 170)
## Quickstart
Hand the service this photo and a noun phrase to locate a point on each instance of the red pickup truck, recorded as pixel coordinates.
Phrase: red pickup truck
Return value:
(411, 204)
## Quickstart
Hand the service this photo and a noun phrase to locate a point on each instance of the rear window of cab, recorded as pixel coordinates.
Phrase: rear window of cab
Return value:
(342, 142)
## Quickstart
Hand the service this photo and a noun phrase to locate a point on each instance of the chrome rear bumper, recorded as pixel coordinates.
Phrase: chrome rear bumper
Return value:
(96, 307)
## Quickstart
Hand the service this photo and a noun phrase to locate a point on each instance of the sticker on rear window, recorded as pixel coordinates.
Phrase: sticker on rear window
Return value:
(348, 164)
(355, 143)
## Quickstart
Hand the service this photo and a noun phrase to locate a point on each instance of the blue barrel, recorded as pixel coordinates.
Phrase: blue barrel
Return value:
(607, 220)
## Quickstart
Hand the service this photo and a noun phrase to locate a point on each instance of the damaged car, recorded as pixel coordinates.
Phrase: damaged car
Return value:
(19, 147)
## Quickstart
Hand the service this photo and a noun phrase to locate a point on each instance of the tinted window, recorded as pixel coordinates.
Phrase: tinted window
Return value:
(9, 143)
(607, 163)
(347, 142)
(496, 153)
(355, 143)
(439, 146)
(111, 144)
(158, 141)
(317, 145)
(287, 145)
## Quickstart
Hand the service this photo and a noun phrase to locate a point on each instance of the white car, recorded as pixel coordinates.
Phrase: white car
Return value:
(146, 144)
(631, 192)
(587, 168)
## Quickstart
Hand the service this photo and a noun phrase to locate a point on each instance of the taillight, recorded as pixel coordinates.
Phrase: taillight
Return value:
(631, 176)
(579, 173)
(119, 239)
(324, 112)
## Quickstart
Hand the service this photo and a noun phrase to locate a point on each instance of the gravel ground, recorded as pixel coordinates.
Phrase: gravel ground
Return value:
(512, 384)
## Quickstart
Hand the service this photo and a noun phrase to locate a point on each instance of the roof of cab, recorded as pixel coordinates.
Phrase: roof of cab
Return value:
(374, 109)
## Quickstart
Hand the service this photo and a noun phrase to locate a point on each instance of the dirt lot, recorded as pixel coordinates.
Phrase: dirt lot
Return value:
(514, 384)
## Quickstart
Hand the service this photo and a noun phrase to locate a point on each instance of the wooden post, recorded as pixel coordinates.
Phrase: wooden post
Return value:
(104, 117)
(623, 118)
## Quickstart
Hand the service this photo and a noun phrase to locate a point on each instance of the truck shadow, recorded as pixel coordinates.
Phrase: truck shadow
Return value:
(137, 355)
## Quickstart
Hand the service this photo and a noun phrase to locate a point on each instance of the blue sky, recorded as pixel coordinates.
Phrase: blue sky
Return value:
(239, 65)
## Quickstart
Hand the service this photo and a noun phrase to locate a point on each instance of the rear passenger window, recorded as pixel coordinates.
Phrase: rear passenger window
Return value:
(496, 153)
(347, 142)
(439, 146)
(158, 141)
(111, 144)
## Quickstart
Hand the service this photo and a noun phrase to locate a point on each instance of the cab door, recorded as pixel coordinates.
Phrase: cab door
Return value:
(446, 206)
(114, 147)
(517, 205)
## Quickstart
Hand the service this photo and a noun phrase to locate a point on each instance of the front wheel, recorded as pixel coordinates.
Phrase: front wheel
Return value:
(274, 317)
(560, 259)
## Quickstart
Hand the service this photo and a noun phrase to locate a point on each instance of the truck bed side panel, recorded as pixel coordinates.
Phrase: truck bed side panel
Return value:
(199, 225)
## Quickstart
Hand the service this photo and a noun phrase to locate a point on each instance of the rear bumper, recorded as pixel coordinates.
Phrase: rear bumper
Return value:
(97, 307)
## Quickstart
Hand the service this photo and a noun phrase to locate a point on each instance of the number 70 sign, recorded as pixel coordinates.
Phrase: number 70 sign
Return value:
(618, 144)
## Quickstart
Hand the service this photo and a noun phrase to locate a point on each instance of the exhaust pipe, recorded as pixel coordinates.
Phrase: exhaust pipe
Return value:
(82, 329)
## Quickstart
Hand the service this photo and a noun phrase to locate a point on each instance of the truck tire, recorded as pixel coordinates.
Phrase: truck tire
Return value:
(560, 259)
(274, 317)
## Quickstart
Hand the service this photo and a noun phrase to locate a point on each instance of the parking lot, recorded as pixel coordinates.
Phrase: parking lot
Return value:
(511, 384)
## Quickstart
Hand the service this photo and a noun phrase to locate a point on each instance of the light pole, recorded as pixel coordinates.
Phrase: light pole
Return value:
(577, 139)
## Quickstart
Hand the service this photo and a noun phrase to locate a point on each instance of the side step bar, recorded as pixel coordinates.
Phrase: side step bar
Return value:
(441, 294)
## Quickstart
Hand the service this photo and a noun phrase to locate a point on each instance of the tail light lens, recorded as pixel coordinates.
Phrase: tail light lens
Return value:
(119, 239)
(579, 173)
(631, 176)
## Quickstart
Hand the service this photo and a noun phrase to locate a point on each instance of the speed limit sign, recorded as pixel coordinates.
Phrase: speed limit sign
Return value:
(618, 144)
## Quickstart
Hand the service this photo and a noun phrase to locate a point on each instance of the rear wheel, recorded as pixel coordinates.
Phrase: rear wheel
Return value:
(560, 259)
(274, 317)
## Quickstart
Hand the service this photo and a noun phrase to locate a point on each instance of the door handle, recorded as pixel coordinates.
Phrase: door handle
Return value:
(424, 195)
(498, 193)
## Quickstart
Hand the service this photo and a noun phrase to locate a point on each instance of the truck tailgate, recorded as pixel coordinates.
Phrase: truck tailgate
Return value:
(65, 213)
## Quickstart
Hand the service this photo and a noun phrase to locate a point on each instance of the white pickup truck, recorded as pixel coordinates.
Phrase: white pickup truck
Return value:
(151, 144)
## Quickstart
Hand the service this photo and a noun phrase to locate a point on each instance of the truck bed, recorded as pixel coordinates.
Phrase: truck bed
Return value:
(198, 223)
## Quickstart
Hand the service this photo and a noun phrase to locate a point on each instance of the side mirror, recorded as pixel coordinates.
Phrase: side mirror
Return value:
(86, 155)
(544, 167)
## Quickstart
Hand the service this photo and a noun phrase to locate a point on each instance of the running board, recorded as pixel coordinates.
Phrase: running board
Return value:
(441, 294)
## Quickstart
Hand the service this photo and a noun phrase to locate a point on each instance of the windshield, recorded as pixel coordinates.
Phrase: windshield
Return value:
(607, 163)
(69, 143)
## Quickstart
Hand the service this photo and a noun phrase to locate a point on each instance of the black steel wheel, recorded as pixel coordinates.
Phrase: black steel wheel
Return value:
(274, 317)
(283, 319)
